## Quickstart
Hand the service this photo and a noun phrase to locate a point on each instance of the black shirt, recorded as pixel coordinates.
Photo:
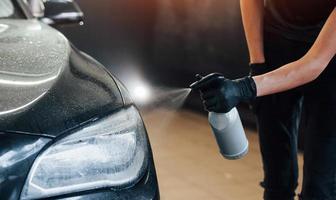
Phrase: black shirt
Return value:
(299, 20)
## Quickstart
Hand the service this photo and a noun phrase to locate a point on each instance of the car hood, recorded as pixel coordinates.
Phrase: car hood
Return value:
(46, 85)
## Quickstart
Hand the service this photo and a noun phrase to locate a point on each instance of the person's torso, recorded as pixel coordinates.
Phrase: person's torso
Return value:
(299, 20)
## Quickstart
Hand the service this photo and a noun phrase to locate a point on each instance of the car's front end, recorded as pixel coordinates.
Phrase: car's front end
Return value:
(107, 158)
(68, 129)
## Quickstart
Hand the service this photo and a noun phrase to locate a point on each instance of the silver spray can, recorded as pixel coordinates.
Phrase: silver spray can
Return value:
(229, 133)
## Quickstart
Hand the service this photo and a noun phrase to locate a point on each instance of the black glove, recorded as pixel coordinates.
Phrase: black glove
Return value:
(258, 68)
(221, 95)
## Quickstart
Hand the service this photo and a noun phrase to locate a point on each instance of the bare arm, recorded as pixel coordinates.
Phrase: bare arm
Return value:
(252, 14)
(304, 70)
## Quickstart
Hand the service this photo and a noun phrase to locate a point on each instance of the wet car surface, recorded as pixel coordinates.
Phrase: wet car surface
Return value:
(68, 128)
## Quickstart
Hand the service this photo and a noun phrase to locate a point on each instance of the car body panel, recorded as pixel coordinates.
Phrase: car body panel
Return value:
(47, 86)
(17, 153)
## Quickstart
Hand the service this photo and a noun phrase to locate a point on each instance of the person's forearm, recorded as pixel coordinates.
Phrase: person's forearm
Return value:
(305, 69)
(289, 76)
(252, 15)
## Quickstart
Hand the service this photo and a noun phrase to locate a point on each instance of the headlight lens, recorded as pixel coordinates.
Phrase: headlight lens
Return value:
(108, 153)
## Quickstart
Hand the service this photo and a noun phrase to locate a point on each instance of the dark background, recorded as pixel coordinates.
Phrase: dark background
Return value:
(165, 42)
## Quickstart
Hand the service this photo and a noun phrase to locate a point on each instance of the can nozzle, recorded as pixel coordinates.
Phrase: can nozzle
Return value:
(199, 78)
(204, 80)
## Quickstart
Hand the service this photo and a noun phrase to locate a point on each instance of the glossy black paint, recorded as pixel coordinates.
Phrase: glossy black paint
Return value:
(79, 90)
(17, 154)
(48, 88)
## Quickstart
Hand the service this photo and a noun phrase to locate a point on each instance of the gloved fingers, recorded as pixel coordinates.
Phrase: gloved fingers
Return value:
(210, 102)
(217, 108)
(208, 94)
(210, 108)
(206, 81)
(212, 75)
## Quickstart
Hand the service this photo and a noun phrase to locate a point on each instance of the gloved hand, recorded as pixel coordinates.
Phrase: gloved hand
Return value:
(221, 95)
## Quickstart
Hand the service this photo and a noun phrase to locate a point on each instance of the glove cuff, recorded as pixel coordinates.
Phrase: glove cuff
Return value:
(254, 65)
(253, 87)
(258, 68)
(248, 88)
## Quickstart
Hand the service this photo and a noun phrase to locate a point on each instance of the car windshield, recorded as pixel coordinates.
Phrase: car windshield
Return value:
(8, 10)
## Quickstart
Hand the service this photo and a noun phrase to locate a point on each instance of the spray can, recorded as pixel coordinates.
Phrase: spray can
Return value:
(226, 127)
(229, 134)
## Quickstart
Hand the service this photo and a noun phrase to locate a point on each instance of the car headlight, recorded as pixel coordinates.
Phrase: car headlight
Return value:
(111, 152)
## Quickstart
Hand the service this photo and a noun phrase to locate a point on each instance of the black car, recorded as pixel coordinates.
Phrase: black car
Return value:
(68, 128)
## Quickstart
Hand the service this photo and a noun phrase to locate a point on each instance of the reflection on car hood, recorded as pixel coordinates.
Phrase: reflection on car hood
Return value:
(46, 85)
(31, 60)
